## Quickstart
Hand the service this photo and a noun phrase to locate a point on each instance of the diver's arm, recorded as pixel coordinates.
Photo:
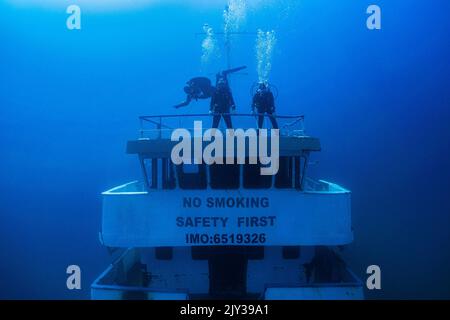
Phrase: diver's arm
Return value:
(231, 101)
(271, 102)
(254, 103)
(183, 104)
(211, 104)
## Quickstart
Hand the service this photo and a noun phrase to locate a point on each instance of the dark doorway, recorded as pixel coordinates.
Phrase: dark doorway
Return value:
(228, 274)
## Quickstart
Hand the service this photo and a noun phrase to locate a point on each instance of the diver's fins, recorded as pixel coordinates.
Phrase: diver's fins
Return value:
(226, 72)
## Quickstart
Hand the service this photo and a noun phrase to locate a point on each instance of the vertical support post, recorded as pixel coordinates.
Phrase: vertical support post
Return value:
(297, 172)
(164, 173)
(305, 166)
(172, 179)
(144, 171)
(291, 171)
(154, 173)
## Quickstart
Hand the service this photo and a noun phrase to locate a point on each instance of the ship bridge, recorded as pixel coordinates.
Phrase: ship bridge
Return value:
(224, 204)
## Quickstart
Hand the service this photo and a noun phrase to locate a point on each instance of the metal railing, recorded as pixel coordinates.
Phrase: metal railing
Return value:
(288, 125)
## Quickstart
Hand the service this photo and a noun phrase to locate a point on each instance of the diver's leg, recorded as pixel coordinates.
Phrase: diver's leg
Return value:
(227, 119)
(216, 120)
(260, 121)
(273, 120)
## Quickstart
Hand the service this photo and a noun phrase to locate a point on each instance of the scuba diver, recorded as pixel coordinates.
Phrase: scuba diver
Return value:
(222, 101)
(263, 102)
(196, 88)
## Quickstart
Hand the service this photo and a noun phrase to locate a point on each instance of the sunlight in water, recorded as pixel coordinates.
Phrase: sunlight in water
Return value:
(265, 42)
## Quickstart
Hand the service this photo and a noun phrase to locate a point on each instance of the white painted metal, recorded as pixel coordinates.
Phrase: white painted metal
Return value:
(133, 217)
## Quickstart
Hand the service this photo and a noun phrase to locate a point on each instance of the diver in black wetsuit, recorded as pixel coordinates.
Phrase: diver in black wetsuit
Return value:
(222, 102)
(263, 102)
(197, 88)
(221, 98)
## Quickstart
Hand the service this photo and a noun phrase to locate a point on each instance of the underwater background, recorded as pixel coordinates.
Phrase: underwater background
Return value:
(379, 100)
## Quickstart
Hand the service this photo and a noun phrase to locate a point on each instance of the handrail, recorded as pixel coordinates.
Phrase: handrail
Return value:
(156, 123)
(157, 120)
(147, 118)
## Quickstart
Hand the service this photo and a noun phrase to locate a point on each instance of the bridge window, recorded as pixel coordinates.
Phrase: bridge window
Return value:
(191, 176)
(224, 176)
(283, 178)
(158, 173)
(253, 178)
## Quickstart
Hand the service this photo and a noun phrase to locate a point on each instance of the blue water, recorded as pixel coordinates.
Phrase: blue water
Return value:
(379, 101)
